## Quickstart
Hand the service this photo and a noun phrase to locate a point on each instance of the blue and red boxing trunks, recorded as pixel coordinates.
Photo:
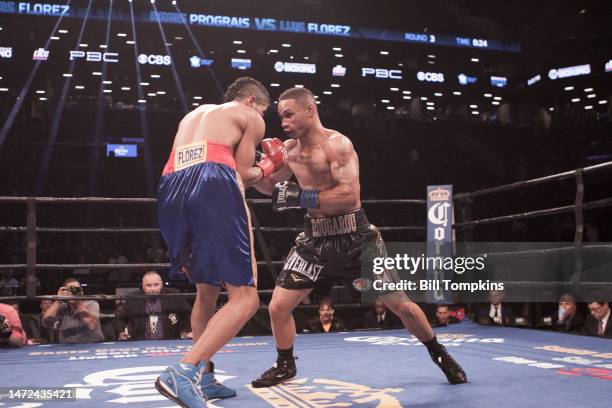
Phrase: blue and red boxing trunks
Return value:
(204, 218)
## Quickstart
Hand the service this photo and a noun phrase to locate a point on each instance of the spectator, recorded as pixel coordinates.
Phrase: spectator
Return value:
(103, 246)
(117, 329)
(15, 305)
(11, 331)
(77, 321)
(84, 247)
(591, 232)
(117, 258)
(567, 319)
(82, 270)
(158, 318)
(325, 322)
(495, 313)
(120, 277)
(598, 322)
(45, 304)
(443, 317)
(9, 286)
(47, 334)
(156, 254)
(379, 317)
(23, 282)
(31, 323)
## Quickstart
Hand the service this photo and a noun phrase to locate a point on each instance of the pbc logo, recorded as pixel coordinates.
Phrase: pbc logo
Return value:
(154, 59)
(6, 52)
(381, 73)
(94, 56)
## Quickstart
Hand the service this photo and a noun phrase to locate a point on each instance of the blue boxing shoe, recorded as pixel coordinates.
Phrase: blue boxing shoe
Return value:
(211, 388)
(180, 383)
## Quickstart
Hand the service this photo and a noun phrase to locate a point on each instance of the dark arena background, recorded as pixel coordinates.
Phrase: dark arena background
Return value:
(502, 107)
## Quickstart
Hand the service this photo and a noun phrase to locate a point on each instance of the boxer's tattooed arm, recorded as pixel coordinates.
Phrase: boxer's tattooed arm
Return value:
(344, 165)
(341, 172)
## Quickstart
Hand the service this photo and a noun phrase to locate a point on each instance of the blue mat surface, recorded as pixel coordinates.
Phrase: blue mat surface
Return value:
(506, 367)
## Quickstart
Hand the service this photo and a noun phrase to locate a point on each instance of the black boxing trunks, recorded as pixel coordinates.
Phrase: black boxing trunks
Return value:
(329, 248)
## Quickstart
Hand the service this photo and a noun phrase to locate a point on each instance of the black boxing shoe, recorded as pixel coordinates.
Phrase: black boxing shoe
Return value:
(453, 371)
(281, 371)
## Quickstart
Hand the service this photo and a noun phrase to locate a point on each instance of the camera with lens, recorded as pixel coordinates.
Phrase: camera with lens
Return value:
(75, 290)
(5, 328)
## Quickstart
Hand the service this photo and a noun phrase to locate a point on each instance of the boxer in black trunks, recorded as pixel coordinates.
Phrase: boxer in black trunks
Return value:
(327, 169)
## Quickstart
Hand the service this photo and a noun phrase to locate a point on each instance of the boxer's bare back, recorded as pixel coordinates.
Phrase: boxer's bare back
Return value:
(233, 124)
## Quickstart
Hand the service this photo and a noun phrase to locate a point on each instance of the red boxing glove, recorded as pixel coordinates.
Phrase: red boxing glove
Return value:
(275, 156)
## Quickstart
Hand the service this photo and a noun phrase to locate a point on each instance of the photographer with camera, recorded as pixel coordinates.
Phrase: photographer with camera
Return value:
(11, 331)
(78, 320)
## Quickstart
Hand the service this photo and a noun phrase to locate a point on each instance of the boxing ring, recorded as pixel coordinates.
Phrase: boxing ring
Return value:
(506, 366)
(509, 367)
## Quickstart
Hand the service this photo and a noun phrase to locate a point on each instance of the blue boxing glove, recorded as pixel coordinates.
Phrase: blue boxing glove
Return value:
(288, 195)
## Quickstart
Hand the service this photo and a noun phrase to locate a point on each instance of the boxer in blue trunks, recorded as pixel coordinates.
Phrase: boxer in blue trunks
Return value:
(205, 222)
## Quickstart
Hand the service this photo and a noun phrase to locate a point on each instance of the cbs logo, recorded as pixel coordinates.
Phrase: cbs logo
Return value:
(154, 59)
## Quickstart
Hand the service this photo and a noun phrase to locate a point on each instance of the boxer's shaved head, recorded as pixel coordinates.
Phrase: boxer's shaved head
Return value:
(302, 96)
(297, 108)
(244, 87)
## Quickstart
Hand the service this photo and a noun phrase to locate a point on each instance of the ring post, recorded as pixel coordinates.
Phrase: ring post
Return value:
(31, 247)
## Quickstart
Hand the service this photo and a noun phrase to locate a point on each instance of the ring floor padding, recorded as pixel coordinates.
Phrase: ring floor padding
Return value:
(506, 367)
